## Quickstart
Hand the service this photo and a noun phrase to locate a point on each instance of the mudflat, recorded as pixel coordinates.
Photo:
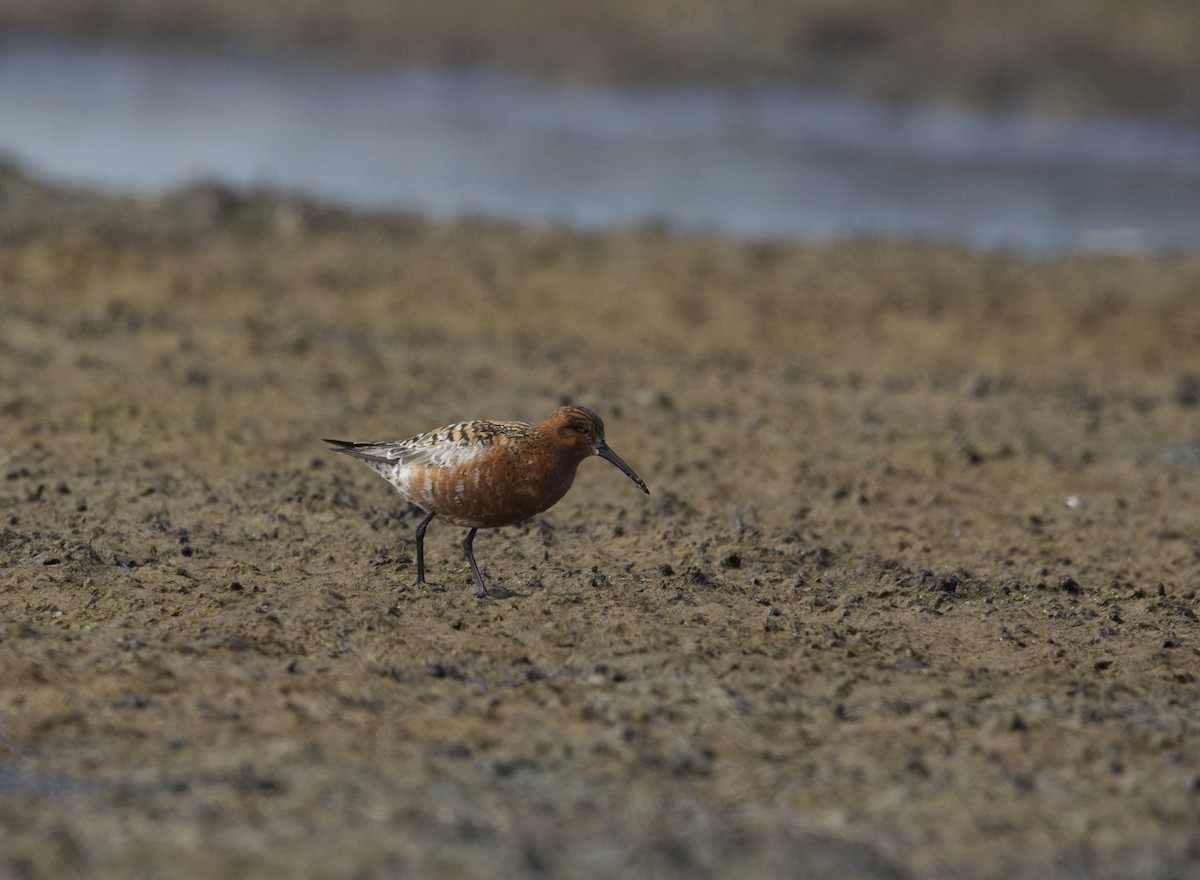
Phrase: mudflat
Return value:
(914, 594)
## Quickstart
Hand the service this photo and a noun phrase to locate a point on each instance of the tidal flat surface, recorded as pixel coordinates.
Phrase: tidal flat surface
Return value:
(912, 596)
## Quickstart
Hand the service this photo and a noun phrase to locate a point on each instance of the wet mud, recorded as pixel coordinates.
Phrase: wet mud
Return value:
(914, 594)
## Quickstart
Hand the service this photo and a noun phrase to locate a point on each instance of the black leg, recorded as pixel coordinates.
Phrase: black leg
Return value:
(483, 593)
(421, 549)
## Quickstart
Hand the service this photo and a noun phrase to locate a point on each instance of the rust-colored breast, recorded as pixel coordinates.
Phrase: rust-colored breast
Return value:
(494, 489)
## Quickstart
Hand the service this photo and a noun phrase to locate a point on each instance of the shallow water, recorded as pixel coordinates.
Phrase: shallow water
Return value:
(445, 143)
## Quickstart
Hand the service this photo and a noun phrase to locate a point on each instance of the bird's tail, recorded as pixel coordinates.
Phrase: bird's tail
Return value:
(361, 451)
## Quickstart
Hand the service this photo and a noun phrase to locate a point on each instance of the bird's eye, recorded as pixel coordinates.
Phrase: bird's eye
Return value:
(581, 428)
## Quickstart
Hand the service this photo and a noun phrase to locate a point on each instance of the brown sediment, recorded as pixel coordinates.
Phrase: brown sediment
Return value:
(915, 594)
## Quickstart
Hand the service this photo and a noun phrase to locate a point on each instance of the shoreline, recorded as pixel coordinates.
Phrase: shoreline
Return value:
(36, 203)
(1053, 59)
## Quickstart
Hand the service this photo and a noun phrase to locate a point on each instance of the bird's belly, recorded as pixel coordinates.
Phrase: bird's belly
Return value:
(478, 496)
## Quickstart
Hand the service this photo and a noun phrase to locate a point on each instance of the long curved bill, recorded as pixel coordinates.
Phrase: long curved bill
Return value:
(607, 454)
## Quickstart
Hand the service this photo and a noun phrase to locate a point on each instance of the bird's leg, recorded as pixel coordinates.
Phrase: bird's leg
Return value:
(421, 549)
(482, 593)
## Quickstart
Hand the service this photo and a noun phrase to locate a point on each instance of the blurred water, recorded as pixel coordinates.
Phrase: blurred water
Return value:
(752, 163)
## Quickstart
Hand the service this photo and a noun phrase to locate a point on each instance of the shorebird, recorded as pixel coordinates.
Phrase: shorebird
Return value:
(484, 474)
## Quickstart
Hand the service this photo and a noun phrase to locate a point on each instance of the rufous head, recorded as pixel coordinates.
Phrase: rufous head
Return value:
(580, 430)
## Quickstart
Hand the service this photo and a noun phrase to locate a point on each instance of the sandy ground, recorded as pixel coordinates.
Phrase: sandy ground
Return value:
(1040, 56)
(915, 594)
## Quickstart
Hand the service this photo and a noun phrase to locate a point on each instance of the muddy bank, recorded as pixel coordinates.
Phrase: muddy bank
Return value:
(915, 594)
(1053, 57)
